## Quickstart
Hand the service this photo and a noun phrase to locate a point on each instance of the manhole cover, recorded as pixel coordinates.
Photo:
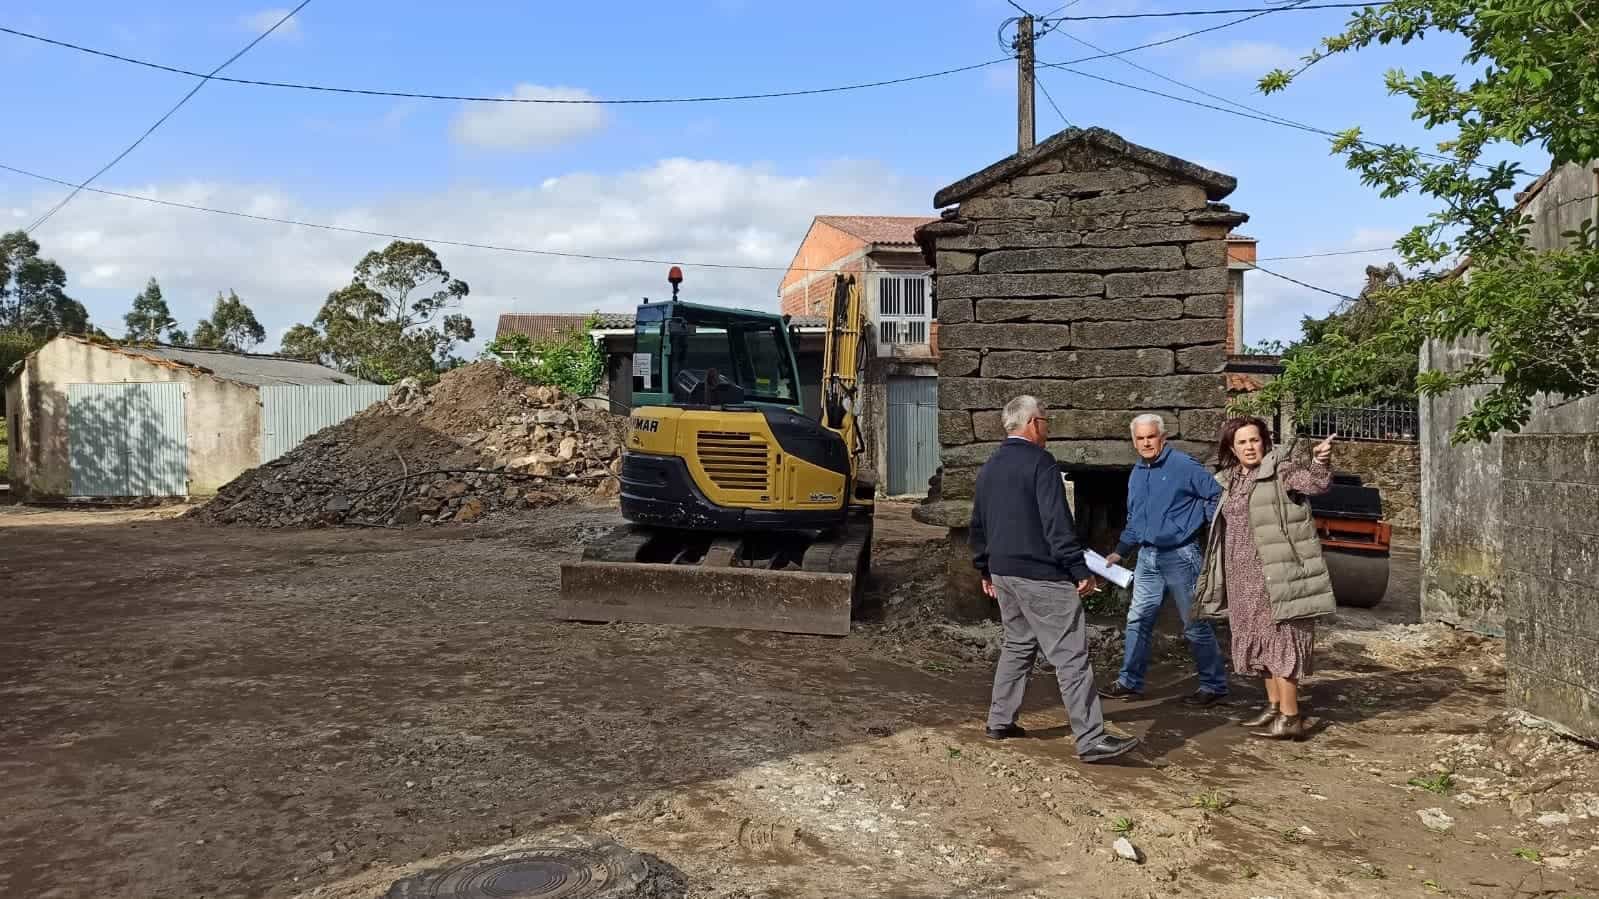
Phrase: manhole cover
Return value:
(579, 867)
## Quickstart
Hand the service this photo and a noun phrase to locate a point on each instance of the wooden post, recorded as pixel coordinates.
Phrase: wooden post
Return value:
(1026, 135)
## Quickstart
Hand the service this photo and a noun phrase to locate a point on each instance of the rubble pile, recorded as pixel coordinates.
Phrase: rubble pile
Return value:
(501, 444)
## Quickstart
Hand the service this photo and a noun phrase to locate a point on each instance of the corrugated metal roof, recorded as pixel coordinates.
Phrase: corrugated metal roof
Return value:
(246, 368)
(885, 229)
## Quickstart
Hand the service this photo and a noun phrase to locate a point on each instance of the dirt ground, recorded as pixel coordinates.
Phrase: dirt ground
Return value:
(190, 711)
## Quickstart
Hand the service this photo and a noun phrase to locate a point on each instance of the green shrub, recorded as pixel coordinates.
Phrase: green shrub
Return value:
(573, 362)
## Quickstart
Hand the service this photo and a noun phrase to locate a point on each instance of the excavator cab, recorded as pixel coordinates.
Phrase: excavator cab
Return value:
(743, 508)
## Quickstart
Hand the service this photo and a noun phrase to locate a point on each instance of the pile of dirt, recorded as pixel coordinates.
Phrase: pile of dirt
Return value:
(479, 441)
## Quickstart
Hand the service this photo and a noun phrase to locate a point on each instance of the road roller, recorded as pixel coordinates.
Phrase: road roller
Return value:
(1354, 540)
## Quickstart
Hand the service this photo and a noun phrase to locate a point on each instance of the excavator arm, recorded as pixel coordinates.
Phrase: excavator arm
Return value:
(843, 365)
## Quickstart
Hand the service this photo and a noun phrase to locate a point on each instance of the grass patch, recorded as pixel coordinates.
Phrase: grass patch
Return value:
(1292, 835)
(1213, 801)
(1440, 783)
(1529, 855)
(1121, 826)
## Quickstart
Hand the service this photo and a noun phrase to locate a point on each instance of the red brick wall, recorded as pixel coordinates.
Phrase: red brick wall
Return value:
(822, 248)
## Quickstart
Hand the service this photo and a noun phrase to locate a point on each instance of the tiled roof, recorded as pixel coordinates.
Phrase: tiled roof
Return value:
(885, 229)
(541, 325)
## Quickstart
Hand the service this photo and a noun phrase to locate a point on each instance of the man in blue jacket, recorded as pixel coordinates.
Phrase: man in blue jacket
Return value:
(1024, 544)
(1170, 497)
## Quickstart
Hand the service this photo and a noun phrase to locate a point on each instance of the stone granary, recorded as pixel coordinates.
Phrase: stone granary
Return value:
(1092, 273)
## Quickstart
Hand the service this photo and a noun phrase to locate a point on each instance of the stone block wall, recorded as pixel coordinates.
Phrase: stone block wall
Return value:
(1550, 493)
(1095, 283)
(1395, 470)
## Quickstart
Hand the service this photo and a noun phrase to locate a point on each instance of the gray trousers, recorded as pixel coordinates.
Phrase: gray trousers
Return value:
(1045, 615)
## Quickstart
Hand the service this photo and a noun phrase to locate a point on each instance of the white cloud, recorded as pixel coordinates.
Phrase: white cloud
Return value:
(524, 126)
(1253, 58)
(677, 210)
(260, 21)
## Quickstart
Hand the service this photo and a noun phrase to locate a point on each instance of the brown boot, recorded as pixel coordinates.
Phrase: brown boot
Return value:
(1286, 727)
(1267, 714)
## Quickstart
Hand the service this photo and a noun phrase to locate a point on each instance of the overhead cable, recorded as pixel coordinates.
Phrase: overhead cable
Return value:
(161, 121)
(476, 245)
(553, 101)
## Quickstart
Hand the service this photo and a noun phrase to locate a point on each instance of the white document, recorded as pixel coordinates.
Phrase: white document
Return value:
(1116, 574)
(641, 368)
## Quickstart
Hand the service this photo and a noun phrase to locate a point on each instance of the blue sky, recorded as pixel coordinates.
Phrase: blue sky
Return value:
(713, 182)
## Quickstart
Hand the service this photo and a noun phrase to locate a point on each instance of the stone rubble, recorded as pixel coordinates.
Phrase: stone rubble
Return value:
(506, 446)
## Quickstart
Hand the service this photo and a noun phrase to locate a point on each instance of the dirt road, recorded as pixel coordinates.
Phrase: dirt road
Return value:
(190, 711)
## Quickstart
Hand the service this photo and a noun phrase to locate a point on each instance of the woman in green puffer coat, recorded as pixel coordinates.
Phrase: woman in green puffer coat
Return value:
(1263, 567)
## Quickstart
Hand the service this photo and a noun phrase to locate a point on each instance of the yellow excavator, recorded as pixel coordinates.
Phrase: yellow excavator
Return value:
(743, 508)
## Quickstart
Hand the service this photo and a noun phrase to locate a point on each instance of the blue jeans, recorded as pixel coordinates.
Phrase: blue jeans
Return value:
(1157, 572)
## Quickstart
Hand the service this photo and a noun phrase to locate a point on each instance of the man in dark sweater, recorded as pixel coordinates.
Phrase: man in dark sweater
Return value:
(1025, 545)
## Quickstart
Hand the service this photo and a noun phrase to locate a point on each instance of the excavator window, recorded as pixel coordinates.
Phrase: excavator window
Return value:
(704, 355)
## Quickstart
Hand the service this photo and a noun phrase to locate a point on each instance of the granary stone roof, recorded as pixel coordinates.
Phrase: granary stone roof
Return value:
(1216, 184)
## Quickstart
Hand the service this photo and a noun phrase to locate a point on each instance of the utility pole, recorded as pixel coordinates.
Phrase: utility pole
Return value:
(1026, 135)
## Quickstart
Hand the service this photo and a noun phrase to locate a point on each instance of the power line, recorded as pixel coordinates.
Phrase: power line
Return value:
(1331, 293)
(1268, 118)
(1324, 255)
(393, 236)
(161, 121)
(527, 251)
(1040, 83)
(1119, 57)
(466, 98)
(1265, 10)
(1106, 54)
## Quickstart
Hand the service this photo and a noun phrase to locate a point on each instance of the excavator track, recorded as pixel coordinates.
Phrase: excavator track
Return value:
(792, 583)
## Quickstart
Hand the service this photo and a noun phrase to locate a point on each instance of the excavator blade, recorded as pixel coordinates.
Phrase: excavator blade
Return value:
(793, 585)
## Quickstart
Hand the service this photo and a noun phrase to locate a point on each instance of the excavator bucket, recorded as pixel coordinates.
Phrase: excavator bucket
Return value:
(799, 584)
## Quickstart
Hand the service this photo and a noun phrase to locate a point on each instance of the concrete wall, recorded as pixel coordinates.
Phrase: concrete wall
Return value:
(1551, 584)
(1463, 542)
(222, 418)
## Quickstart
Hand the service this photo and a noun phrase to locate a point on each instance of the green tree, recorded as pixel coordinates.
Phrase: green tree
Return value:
(391, 321)
(232, 326)
(33, 297)
(1535, 83)
(573, 361)
(150, 318)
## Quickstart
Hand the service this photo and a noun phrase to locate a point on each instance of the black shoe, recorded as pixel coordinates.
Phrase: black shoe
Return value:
(1106, 748)
(1008, 732)
(1118, 691)
(1203, 698)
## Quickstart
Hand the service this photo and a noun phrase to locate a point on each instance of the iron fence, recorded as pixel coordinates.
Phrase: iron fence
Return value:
(1395, 424)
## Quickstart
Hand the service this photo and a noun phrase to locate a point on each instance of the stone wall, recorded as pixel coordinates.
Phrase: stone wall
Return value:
(1094, 282)
(1551, 577)
(1395, 470)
